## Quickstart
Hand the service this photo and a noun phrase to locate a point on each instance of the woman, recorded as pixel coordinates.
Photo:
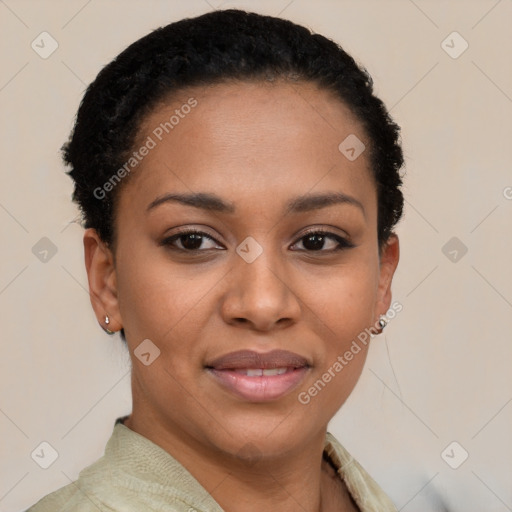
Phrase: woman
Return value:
(239, 183)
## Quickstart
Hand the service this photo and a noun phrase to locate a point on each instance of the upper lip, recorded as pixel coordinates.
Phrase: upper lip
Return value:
(252, 360)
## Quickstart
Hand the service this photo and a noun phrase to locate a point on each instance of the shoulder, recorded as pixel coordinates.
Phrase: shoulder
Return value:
(81, 495)
(67, 499)
(363, 488)
(133, 475)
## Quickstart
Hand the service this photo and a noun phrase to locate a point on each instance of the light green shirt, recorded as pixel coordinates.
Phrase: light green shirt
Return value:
(136, 475)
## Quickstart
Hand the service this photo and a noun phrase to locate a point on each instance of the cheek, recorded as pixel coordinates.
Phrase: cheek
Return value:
(345, 346)
(165, 303)
(344, 300)
(343, 307)
(152, 296)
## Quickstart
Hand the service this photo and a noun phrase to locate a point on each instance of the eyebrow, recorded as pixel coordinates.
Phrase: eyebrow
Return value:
(299, 204)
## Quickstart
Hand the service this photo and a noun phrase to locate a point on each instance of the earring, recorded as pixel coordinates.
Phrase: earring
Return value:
(107, 321)
(382, 322)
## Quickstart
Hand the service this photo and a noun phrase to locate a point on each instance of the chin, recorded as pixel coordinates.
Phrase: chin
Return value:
(258, 436)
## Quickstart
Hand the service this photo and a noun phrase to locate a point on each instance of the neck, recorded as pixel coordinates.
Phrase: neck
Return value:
(301, 480)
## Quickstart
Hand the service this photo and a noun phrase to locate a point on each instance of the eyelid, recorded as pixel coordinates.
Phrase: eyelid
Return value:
(327, 230)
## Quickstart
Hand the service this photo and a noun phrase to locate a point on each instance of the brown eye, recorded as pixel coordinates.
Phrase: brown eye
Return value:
(191, 240)
(323, 241)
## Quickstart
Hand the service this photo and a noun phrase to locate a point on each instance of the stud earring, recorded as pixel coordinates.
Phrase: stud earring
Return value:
(382, 322)
(107, 321)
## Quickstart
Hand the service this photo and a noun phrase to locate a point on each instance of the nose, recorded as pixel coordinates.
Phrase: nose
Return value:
(260, 295)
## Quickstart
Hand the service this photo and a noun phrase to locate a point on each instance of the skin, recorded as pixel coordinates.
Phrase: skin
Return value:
(256, 145)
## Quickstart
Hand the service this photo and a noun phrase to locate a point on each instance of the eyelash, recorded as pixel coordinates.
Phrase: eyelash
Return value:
(343, 243)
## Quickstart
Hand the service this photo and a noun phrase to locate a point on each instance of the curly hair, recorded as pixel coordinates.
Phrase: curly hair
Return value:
(214, 48)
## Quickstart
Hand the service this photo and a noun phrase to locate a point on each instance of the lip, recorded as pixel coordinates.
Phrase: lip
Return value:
(252, 359)
(229, 371)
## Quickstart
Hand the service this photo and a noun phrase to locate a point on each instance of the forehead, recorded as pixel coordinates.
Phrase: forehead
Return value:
(243, 139)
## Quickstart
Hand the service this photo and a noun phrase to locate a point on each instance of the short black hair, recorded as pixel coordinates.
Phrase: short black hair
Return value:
(213, 48)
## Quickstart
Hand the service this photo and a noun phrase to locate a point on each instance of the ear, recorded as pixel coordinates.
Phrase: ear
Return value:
(101, 274)
(389, 256)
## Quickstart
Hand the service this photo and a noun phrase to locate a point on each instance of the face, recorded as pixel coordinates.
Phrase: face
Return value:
(248, 283)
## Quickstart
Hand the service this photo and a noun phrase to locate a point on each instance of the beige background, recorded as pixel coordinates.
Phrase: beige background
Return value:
(442, 371)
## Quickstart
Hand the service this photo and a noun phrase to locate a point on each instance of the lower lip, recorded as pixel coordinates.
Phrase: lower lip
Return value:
(259, 389)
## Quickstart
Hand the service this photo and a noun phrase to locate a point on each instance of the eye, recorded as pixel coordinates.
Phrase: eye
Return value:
(193, 240)
(189, 240)
(318, 240)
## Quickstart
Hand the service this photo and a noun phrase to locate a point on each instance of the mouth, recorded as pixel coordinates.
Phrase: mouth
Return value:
(259, 377)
